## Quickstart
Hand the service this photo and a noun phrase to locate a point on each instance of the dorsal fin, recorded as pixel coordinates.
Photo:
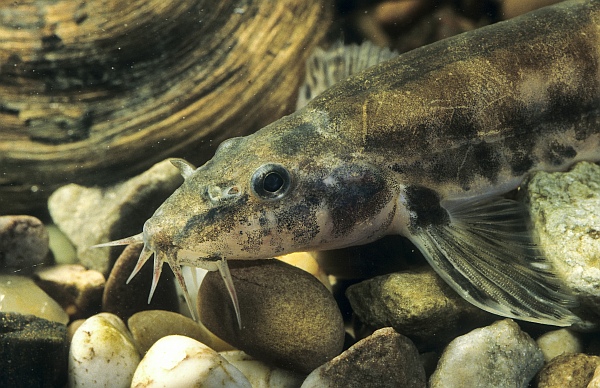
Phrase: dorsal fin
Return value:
(324, 68)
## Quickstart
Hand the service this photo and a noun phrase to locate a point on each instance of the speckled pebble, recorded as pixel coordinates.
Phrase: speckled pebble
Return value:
(23, 243)
(90, 216)
(385, 359)
(418, 304)
(595, 382)
(77, 290)
(21, 295)
(307, 262)
(102, 353)
(289, 318)
(568, 371)
(124, 299)
(557, 342)
(499, 355)
(178, 361)
(33, 351)
(147, 327)
(564, 211)
(261, 375)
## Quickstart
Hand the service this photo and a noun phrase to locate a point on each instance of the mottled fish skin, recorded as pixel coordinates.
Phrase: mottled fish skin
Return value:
(421, 145)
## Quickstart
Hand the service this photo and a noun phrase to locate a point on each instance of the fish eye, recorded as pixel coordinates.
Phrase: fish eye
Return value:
(271, 181)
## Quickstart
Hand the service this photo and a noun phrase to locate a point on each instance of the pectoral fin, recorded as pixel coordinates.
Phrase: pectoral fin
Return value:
(485, 251)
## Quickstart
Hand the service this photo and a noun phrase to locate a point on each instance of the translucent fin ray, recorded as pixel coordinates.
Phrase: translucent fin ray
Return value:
(176, 268)
(486, 253)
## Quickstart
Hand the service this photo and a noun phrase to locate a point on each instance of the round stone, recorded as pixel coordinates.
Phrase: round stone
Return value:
(289, 318)
(179, 361)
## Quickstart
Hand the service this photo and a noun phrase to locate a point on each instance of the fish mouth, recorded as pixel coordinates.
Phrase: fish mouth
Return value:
(176, 257)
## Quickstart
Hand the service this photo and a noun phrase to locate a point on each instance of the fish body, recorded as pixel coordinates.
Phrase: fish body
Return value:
(424, 145)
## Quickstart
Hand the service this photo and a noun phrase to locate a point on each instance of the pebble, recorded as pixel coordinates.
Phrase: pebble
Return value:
(307, 262)
(261, 375)
(102, 353)
(21, 295)
(289, 318)
(178, 361)
(595, 382)
(90, 216)
(499, 355)
(33, 351)
(147, 327)
(23, 243)
(557, 342)
(76, 289)
(418, 304)
(63, 250)
(568, 371)
(563, 209)
(384, 359)
(124, 299)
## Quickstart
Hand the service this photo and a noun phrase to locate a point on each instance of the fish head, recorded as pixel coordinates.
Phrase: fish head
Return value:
(256, 198)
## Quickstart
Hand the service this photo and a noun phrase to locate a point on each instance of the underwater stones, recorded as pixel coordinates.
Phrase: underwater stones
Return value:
(76, 289)
(565, 211)
(568, 371)
(178, 361)
(21, 295)
(147, 327)
(418, 304)
(384, 359)
(116, 211)
(261, 375)
(33, 351)
(102, 353)
(125, 299)
(557, 342)
(499, 355)
(23, 243)
(289, 318)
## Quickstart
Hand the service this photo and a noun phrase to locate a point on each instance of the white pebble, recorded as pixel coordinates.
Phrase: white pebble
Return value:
(102, 353)
(557, 342)
(178, 361)
(261, 375)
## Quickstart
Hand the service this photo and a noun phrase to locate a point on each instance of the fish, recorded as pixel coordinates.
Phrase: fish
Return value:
(425, 145)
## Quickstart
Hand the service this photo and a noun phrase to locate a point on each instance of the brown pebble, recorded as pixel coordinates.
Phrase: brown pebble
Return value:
(124, 300)
(77, 289)
(23, 243)
(289, 318)
(568, 371)
(149, 326)
(384, 359)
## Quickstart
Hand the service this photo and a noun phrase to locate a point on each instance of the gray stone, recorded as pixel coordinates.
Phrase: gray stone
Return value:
(568, 371)
(124, 299)
(23, 243)
(289, 318)
(33, 351)
(384, 359)
(565, 210)
(499, 355)
(418, 304)
(76, 289)
(90, 216)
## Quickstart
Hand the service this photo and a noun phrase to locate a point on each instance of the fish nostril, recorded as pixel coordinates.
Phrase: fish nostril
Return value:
(214, 193)
(233, 191)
